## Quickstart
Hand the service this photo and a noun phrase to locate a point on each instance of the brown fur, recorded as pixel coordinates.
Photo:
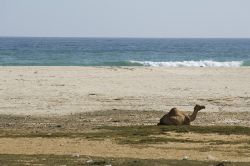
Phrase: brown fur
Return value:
(176, 117)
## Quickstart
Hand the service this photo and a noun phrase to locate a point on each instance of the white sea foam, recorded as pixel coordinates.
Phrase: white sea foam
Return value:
(191, 64)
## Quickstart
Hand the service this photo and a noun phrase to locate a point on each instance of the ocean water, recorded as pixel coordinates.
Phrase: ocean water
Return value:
(124, 52)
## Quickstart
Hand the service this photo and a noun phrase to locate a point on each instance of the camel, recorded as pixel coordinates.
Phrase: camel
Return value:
(176, 117)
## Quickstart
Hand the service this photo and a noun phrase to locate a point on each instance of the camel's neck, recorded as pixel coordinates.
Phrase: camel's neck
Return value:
(193, 116)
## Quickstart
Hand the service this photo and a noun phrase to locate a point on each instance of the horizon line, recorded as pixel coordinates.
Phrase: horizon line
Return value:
(122, 37)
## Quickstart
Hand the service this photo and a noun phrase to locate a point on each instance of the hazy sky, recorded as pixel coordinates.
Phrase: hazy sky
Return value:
(125, 18)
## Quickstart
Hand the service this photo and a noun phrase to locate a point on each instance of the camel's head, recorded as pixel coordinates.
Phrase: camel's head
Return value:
(199, 107)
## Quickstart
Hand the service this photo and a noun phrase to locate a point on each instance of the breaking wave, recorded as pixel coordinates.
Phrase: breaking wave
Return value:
(190, 63)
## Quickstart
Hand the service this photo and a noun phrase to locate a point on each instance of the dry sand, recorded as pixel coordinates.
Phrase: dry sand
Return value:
(65, 90)
(88, 97)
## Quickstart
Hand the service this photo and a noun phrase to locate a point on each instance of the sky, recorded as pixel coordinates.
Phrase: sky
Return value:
(126, 18)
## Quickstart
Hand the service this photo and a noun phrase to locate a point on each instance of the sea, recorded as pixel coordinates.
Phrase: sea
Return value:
(161, 52)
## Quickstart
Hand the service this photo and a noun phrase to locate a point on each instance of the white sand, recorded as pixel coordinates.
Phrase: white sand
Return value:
(64, 90)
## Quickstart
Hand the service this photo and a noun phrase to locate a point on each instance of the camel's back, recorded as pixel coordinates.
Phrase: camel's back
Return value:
(170, 117)
(176, 112)
(174, 117)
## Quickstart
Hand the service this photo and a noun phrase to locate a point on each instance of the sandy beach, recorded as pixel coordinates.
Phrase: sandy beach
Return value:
(66, 90)
(81, 111)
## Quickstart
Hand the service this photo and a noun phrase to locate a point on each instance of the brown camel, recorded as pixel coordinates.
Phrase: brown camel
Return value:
(176, 117)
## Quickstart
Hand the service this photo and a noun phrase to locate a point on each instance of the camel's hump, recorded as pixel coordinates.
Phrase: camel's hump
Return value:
(173, 112)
